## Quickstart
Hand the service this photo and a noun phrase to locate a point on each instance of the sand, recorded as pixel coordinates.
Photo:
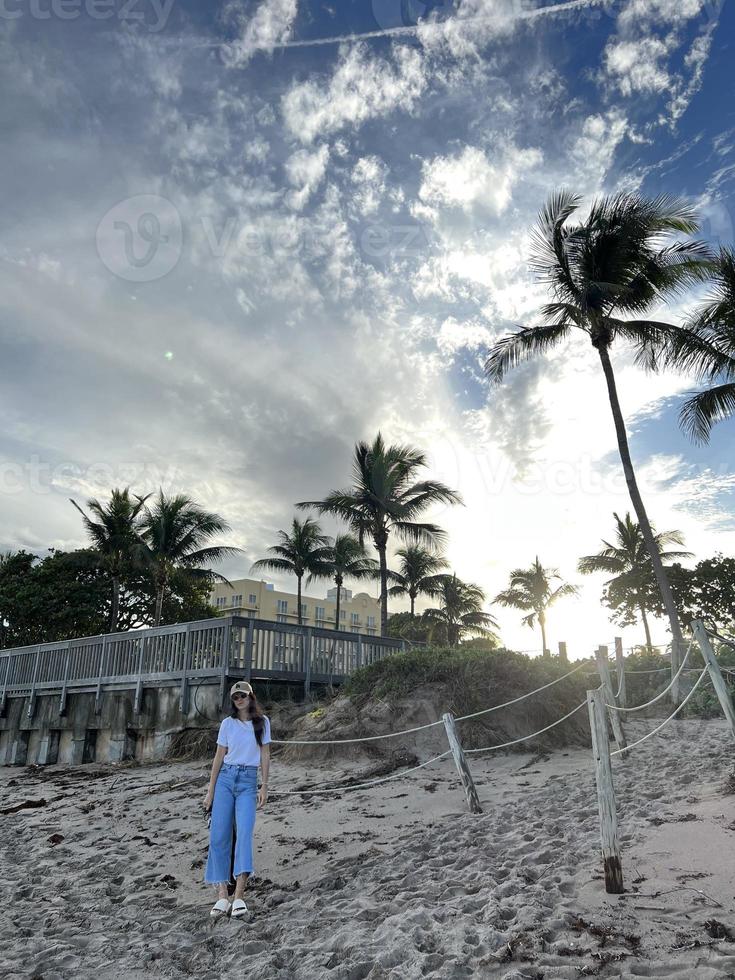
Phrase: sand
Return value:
(397, 881)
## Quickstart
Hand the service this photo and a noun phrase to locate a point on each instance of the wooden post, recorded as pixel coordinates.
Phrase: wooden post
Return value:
(605, 793)
(306, 640)
(715, 673)
(184, 692)
(224, 660)
(563, 652)
(62, 699)
(473, 801)
(139, 682)
(249, 638)
(32, 698)
(359, 651)
(620, 664)
(103, 664)
(676, 658)
(617, 726)
(4, 698)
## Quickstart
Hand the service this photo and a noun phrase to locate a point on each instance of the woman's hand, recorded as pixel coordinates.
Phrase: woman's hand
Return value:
(262, 796)
(208, 800)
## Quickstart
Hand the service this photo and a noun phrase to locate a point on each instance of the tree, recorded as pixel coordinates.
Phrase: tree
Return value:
(714, 322)
(303, 551)
(606, 274)
(628, 563)
(176, 532)
(115, 532)
(533, 589)
(386, 497)
(459, 612)
(346, 559)
(706, 592)
(404, 626)
(418, 575)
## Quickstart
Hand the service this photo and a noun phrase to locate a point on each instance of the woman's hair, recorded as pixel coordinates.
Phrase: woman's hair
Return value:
(255, 714)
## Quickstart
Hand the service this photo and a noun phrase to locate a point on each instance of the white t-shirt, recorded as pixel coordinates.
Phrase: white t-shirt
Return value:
(239, 738)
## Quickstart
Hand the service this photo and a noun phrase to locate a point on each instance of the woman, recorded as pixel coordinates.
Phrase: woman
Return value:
(242, 746)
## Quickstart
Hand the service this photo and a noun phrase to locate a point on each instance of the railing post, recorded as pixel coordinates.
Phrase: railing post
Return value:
(62, 698)
(620, 664)
(359, 651)
(609, 698)
(460, 761)
(563, 652)
(139, 682)
(184, 693)
(5, 685)
(249, 640)
(32, 698)
(306, 640)
(605, 793)
(225, 659)
(715, 673)
(103, 664)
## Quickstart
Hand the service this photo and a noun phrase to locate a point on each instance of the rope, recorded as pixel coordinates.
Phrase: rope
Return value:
(672, 715)
(505, 704)
(419, 728)
(372, 782)
(524, 738)
(640, 707)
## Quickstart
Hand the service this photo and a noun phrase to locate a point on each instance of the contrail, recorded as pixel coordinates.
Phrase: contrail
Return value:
(411, 29)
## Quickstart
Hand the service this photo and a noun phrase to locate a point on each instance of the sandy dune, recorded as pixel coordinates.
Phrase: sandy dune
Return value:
(393, 882)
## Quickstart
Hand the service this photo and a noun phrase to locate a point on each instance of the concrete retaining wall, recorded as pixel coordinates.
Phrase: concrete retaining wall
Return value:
(115, 734)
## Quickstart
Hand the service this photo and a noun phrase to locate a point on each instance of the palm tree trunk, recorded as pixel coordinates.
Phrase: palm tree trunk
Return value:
(338, 582)
(542, 624)
(115, 603)
(381, 547)
(413, 602)
(298, 599)
(677, 639)
(159, 604)
(649, 645)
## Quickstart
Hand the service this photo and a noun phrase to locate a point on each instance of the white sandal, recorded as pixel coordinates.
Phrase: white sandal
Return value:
(221, 907)
(239, 909)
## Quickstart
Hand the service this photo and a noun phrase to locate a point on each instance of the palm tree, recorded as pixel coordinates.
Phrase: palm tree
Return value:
(385, 497)
(606, 274)
(303, 551)
(419, 573)
(346, 559)
(533, 589)
(714, 322)
(629, 563)
(459, 612)
(115, 531)
(176, 531)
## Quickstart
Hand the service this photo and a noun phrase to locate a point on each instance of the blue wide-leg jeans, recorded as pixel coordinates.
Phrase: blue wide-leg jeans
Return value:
(235, 799)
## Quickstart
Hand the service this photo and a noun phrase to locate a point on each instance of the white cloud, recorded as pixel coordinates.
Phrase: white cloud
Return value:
(305, 171)
(635, 66)
(362, 87)
(369, 176)
(269, 27)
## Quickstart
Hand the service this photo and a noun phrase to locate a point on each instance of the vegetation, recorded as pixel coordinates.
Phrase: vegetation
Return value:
(459, 612)
(347, 560)
(303, 551)
(630, 589)
(533, 589)
(386, 497)
(418, 573)
(606, 274)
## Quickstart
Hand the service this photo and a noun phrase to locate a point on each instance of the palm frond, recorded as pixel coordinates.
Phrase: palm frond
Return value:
(704, 410)
(518, 347)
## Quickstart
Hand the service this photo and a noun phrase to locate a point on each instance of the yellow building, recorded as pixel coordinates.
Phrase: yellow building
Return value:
(359, 613)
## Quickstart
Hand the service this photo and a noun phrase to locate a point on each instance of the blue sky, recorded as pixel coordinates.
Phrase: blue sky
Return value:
(230, 252)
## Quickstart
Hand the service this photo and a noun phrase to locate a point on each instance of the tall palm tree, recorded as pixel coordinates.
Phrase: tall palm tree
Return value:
(418, 575)
(533, 589)
(115, 532)
(628, 561)
(459, 612)
(714, 322)
(346, 559)
(303, 551)
(176, 531)
(386, 497)
(606, 273)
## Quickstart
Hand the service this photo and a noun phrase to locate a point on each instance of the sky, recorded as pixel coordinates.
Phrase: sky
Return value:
(240, 237)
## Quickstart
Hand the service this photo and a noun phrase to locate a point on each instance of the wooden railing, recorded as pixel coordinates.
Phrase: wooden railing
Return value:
(231, 646)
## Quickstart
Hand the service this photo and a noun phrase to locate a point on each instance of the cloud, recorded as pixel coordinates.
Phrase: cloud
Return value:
(635, 66)
(305, 171)
(270, 27)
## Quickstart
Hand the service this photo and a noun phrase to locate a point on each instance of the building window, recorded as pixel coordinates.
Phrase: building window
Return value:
(371, 620)
(221, 601)
(319, 612)
(236, 600)
(304, 611)
(354, 618)
(252, 599)
(282, 608)
(355, 629)
(371, 632)
(280, 618)
(342, 614)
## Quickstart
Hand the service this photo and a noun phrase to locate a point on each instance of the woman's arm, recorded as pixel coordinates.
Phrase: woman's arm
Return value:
(265, 764)
(216, 766)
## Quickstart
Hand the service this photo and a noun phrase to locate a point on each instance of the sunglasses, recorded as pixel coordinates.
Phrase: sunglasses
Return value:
(239, 696)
